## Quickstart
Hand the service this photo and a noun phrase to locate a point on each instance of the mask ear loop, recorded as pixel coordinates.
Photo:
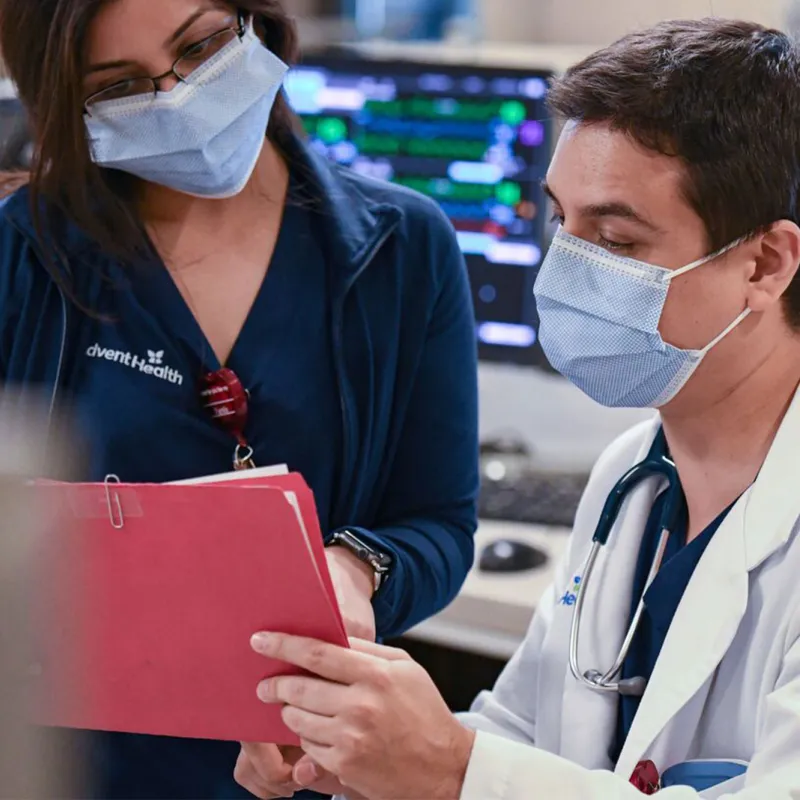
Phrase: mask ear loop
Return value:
(735, 324)
(676, 273)
(669, 277)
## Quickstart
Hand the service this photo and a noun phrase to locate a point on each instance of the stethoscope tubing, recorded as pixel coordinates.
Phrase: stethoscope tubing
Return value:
(593, 679)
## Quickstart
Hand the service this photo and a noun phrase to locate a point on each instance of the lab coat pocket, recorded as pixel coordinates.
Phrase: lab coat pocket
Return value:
(725, 788)
(711, 778)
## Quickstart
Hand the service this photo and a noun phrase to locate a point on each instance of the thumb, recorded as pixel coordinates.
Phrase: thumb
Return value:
(307, 773)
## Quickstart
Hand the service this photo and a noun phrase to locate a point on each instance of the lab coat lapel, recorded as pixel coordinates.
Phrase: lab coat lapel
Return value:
(714, 603)
(589, 717)
(700, 634)
(774, 505)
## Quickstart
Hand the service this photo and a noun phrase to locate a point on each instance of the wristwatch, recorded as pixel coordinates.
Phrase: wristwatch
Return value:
(380, 563)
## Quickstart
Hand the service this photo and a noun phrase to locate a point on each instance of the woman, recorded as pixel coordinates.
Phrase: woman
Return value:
(163, 237)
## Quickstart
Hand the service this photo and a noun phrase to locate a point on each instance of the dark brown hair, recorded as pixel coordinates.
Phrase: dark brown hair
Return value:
(724, 97)
(43, 47)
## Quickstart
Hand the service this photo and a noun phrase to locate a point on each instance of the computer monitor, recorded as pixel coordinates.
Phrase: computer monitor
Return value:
(477, 140)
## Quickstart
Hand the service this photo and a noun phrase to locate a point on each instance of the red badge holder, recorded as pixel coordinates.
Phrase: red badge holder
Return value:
(646, 778)
(224, 397)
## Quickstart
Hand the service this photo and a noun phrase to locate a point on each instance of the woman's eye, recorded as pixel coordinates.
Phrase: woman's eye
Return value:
(559, 218)
(198, 50)
(204, 50)
(120, 90)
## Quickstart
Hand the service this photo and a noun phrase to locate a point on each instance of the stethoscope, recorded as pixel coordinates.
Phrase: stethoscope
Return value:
(657, 463)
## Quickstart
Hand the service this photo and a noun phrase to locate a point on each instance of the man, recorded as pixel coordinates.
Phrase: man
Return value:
(672, 284)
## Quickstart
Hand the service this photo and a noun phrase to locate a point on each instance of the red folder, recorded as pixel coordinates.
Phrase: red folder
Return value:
(295, 486)
(152, 594)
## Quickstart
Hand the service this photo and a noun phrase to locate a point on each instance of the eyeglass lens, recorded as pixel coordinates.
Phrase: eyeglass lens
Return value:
(190, 61)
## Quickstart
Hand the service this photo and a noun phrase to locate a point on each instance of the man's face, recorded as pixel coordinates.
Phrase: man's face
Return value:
(610, 191)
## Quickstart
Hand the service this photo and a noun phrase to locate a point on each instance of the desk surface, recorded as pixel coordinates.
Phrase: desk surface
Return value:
(492, 613)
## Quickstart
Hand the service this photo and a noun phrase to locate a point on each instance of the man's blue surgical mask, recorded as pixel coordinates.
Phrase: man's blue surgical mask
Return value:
(599, 316)
(204, 137)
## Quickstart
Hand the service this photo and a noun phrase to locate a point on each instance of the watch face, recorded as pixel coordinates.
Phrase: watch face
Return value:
(380, 562)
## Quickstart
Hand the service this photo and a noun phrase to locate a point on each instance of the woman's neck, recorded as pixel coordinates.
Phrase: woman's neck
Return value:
(164, 208)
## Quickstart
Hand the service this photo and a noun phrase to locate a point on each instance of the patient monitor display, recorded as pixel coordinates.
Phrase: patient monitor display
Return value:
(476, 140)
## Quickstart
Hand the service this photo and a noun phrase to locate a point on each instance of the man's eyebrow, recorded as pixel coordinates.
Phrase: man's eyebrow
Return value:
(611, 209)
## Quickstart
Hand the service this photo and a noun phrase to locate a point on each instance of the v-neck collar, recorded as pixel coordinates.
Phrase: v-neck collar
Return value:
(161, 295)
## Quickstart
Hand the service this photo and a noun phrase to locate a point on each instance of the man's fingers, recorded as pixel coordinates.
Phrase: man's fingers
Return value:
(312, 776)
(326, 660)
(321, 755)
(311, 694)
(312, 727)
(378, 650)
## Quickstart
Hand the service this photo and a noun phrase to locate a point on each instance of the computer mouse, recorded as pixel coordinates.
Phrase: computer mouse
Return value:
(510, 555)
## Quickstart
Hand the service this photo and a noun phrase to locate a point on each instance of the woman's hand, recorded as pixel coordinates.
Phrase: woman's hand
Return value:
(269, 772)
(266, 770)
(354, 583)
(373, 718)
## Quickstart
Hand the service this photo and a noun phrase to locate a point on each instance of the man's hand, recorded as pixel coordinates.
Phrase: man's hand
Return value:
(373, 718)
(354, 583)
(268, 771)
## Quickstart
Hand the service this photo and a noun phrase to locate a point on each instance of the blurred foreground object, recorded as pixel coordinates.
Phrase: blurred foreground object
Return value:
(16, 148)
(33, 763)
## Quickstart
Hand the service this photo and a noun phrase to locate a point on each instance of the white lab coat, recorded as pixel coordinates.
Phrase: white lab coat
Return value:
(727, 681)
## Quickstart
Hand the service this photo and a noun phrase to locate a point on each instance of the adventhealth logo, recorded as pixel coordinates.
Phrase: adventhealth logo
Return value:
(152, 365)
(570, 597)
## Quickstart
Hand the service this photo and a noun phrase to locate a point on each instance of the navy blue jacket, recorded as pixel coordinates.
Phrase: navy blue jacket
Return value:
(402, 335)
(404, 349)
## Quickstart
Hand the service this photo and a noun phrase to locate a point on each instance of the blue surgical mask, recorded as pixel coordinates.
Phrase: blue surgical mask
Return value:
(599, 316)
(204, 137)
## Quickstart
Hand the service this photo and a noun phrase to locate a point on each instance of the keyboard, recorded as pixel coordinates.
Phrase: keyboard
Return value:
(532, 496)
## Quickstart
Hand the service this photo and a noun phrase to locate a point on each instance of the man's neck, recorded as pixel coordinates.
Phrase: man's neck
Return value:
(719, 449)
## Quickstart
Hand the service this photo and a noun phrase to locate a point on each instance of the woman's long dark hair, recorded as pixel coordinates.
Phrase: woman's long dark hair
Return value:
(43, 46)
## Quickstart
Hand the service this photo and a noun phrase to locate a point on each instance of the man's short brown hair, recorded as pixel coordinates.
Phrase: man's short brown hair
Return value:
(721, 95)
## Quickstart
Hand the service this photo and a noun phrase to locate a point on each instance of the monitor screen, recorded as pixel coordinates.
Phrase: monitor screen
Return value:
(476, 139)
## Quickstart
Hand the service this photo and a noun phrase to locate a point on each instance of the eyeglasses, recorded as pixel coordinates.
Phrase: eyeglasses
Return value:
(194, 58)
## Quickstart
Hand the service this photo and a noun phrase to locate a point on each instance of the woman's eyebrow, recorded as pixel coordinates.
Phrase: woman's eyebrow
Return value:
(106, 65)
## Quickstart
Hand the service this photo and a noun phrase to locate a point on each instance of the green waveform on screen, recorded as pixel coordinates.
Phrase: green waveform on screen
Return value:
(507, 192)
(511, 112)
(388, 145)
(445, 189)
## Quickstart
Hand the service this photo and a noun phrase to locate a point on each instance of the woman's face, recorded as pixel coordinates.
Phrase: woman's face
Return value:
(131, 39)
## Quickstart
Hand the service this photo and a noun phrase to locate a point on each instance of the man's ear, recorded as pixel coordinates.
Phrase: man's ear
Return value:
(775, 265)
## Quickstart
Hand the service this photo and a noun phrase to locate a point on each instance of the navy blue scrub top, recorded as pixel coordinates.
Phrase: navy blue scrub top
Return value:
(137, 394)
(662, 598)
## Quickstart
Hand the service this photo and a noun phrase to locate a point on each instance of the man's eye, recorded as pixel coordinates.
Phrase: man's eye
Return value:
(614, 247)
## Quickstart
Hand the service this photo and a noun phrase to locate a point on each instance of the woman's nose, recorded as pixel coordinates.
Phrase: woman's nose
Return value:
(167, 82)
